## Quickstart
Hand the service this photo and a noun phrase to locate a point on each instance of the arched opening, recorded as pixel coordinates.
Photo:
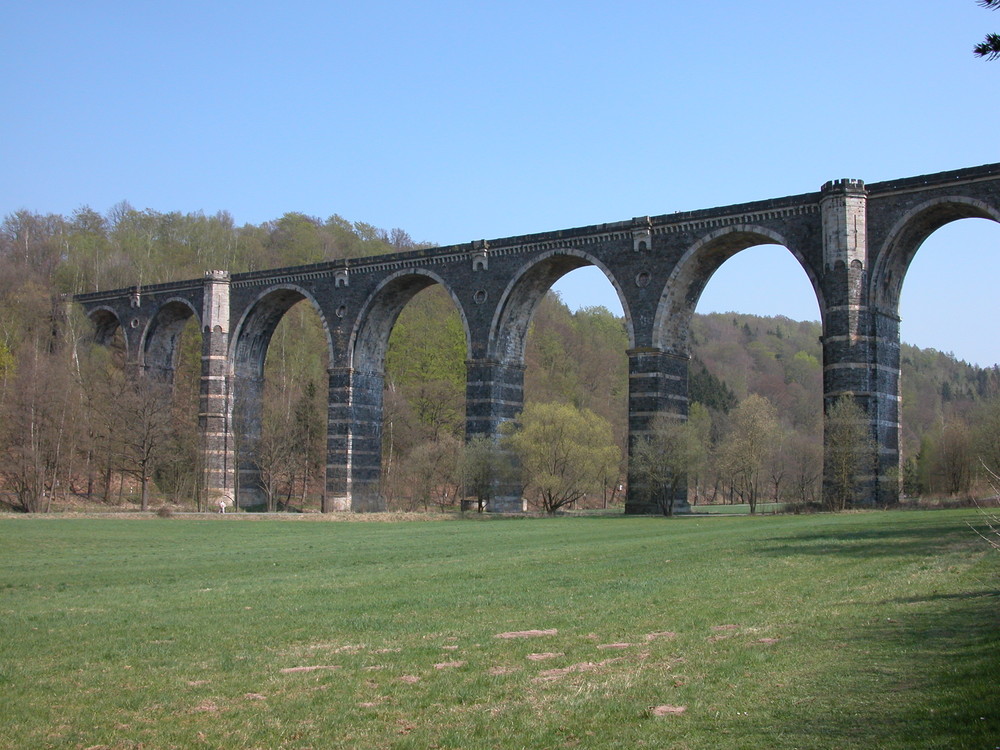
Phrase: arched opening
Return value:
(175, 326)
(753, 433)
(102, 369)
(172, 373)
(392, 439)
(423, 407)
(107, 329)
(144, 441)
(278, 421)
(108, 338)
(949, 380)
(564, 325)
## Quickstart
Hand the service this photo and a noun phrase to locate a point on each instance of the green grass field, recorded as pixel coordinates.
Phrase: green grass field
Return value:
(862, 630)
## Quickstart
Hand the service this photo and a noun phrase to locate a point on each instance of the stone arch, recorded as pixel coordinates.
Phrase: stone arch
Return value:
(160, 339)
(257, 324)
(906, 237)
(248, 350)
(370, 337)
(671, 324)
(356, 433)
(106, 322)
(525, 290)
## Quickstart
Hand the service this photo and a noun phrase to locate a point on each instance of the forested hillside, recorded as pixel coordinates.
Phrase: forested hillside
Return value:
(73, 426)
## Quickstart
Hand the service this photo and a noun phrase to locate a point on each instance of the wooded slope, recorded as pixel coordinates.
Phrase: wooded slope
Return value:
(68, 416)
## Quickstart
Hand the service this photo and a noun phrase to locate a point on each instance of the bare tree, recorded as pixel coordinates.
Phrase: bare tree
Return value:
(429, 474)
(146, 405)
(699, 427)
(38, 429)
(849, 452)
(275, 457)
(992, 533)
(660, 462)
(485, 466)
(954, 453)
(806, 468)
(987, 435)
(751, 442)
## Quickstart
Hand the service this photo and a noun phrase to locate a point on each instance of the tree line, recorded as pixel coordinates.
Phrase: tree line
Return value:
(75, 424)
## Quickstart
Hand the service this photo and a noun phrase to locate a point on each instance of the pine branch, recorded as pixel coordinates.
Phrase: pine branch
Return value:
(990, 48)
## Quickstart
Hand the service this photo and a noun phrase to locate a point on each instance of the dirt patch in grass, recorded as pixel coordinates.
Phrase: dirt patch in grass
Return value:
(313, 668)
(667, 710)
(543, 657)
(587, 666)
(660, 634)
(349, 648)
(527, 633)
(497, 671)
(723, 632)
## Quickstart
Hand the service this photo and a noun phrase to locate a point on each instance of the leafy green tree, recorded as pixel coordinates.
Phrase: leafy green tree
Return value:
(551, 372)
(564, 452)
(297, 239)
(425, 363)
(7, 365)
(598, 349)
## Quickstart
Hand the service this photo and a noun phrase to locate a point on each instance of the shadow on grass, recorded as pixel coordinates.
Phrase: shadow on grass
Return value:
(936, 665)
(890, 541)
(933, 659)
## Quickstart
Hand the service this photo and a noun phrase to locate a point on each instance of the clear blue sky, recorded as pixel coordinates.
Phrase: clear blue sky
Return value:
(466, 120)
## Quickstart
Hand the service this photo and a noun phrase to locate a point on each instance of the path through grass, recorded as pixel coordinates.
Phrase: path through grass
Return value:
(859, 630)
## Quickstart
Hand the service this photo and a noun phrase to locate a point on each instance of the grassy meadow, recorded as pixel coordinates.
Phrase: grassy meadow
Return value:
(859, 630)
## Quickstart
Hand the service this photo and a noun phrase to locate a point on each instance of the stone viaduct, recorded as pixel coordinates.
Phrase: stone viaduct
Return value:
(854, 242)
